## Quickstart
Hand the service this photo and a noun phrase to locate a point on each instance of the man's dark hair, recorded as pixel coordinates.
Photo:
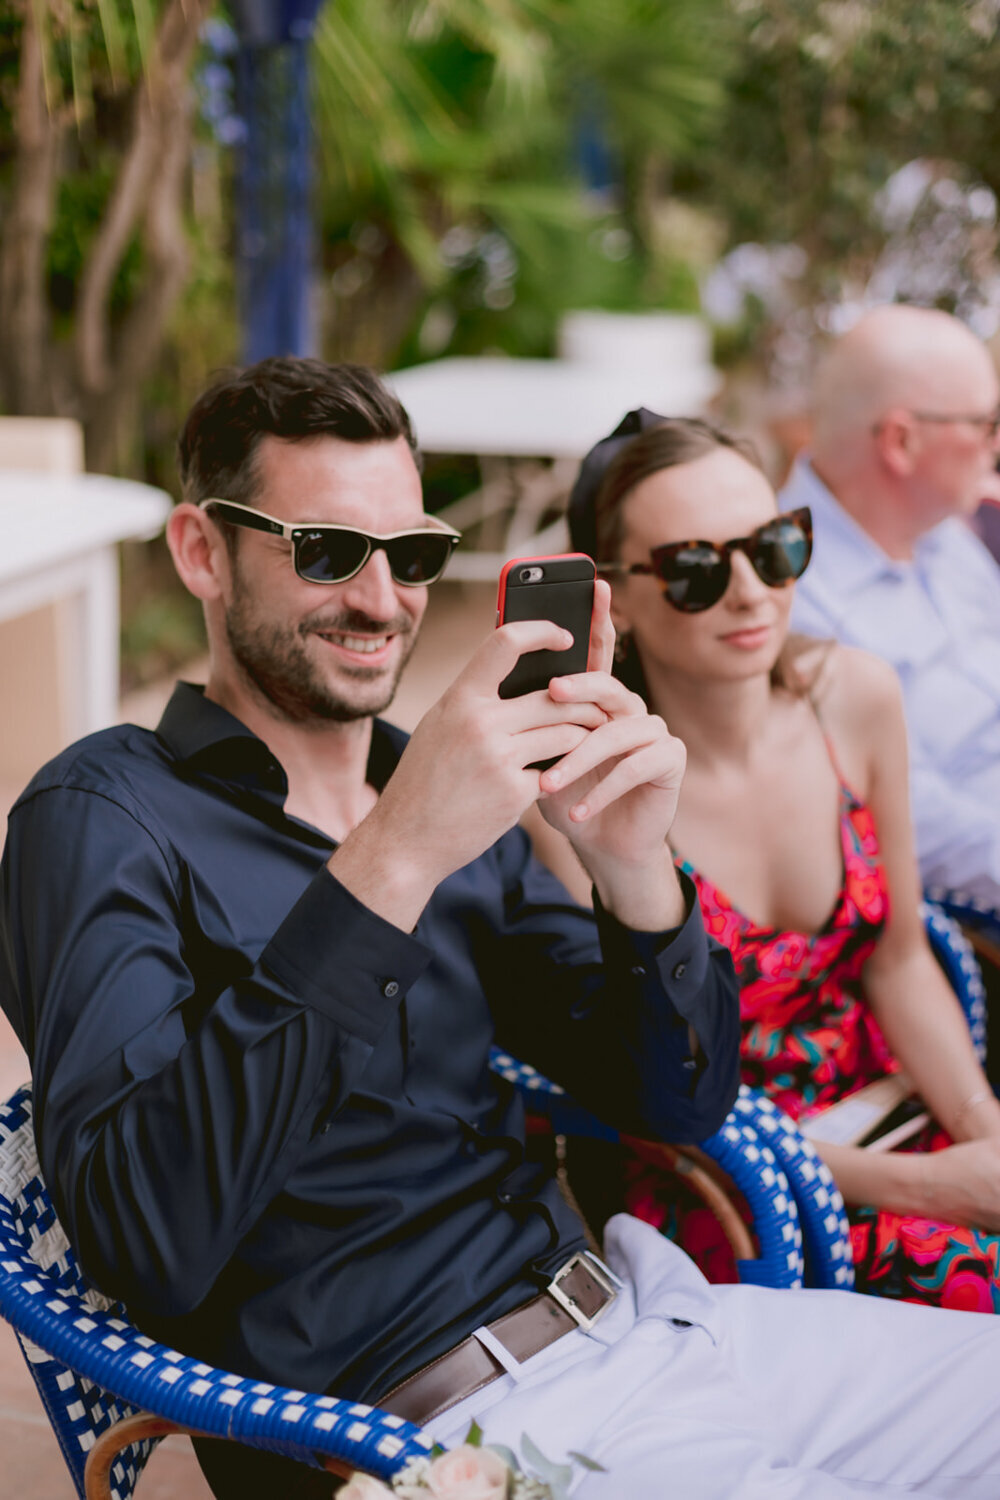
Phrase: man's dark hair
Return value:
(289, 398)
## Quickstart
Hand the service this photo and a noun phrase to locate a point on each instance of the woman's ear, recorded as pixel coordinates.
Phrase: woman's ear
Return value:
(620, 617)
(199, 551)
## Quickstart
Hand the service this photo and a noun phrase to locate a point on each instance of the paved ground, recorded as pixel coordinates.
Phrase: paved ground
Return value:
(459, 617)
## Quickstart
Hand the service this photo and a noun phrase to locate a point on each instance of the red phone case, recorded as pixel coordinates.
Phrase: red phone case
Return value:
(564, 593)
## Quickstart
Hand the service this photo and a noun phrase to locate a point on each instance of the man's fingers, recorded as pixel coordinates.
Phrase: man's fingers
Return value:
(619, 737)
(642, 767)
(602, 632)
(555, 740)
(498, 655)
(535, 710)
(601, 688)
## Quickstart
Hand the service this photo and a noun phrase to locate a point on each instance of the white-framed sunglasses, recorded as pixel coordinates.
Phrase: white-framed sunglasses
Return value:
(333, 554)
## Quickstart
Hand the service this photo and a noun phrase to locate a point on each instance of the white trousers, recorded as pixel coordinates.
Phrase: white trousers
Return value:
(804, 1395)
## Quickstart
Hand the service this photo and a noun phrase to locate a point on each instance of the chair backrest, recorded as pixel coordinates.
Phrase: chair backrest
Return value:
(93, 1367)
(32, 1241)
(954, 953)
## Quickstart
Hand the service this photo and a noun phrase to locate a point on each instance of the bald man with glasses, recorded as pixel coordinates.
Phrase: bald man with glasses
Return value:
(906, 417)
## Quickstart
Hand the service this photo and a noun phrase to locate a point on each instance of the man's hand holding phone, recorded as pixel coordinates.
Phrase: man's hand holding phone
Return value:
(614, 794)
(470, 771)
(464, 779)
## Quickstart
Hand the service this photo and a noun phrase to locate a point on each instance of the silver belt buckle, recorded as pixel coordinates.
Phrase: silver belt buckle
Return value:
(605, 1278)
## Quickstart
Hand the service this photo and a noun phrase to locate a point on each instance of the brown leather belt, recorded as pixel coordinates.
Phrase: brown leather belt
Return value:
(577, 1295)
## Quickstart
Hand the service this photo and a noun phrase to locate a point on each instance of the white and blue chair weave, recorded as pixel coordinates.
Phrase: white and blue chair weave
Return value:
(93, 1368)
(971, 911)
(795, 1203)
(955, 954)
(745, 1148)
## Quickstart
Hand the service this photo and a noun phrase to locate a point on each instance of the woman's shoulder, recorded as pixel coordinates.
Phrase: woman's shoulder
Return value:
(858, 684)
(856, 694)
(827, 672)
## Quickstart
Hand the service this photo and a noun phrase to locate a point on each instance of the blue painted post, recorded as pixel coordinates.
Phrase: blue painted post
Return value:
(274, 220)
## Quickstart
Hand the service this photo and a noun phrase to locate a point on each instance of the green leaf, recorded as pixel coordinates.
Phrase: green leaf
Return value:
(587, 1463)
(114, 44)
(557, 1475)
(474, 1436)
(507, 1454)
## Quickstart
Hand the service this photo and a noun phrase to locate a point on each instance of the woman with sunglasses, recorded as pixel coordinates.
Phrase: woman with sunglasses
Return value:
(795, 826)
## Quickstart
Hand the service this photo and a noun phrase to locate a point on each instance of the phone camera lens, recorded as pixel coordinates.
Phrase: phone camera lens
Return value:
(531, 575)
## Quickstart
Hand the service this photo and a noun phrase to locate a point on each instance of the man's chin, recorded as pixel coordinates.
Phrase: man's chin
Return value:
(364, 693)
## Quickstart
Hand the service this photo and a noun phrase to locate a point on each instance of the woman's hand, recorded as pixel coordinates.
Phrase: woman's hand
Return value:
(961, 1185)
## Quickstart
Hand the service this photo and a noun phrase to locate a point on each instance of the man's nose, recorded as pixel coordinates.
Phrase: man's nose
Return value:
(372, 591)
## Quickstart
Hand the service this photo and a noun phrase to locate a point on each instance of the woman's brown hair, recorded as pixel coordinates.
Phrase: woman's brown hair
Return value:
(675, 441)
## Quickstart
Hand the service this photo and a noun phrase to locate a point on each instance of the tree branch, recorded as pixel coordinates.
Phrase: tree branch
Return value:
(166, 260)
(153, 116)
(24, 385)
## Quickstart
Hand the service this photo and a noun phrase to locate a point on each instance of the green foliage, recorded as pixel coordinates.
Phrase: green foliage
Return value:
(460, 117)
(830, 97)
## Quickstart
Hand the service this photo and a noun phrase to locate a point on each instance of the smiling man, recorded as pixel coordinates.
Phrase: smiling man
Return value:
(259, 957)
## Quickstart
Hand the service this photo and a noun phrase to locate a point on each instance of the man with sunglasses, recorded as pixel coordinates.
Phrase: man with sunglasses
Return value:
(906, 418)
(258, 960)
(259, 957)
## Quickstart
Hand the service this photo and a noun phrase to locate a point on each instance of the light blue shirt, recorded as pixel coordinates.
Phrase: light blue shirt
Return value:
(937, 620)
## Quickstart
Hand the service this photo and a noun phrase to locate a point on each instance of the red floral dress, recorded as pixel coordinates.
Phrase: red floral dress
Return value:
(809, 1039)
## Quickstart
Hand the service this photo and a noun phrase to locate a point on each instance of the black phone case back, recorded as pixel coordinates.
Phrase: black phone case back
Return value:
(569, 604)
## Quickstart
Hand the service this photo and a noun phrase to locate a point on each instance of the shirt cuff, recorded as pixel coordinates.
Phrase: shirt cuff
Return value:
(679, 955)
(335, 954)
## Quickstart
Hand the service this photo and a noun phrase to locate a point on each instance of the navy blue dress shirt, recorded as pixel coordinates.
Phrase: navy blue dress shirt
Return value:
(266, 1115)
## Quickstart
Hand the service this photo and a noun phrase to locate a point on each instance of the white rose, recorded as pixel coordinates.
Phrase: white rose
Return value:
(468, 1474)
(363, 1487)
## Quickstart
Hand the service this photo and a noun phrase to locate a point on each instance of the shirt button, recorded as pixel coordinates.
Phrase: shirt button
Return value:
(638, 971)
(680, 970)
(390, 989)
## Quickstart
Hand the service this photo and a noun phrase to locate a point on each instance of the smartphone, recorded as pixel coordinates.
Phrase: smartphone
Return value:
(547, 588)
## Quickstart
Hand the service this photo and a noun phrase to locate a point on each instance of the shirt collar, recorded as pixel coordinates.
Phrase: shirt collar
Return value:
(204, 736)
(848, 552)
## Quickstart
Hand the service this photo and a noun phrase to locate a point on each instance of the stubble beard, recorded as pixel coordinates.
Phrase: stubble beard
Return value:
(274, 662)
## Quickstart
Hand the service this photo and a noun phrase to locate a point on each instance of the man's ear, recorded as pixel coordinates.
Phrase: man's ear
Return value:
(199, 551)
(896, 442)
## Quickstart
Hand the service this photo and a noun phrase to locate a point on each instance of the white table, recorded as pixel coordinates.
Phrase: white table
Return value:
(514, 409)
(59, 606)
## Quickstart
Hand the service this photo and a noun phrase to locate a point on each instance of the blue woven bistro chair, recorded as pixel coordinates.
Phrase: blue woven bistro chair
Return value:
(769, 1161)
(980, 925)
(952, 930)
(974, 915)
(111, 1393)
(823, 1259)
(779, 1189)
